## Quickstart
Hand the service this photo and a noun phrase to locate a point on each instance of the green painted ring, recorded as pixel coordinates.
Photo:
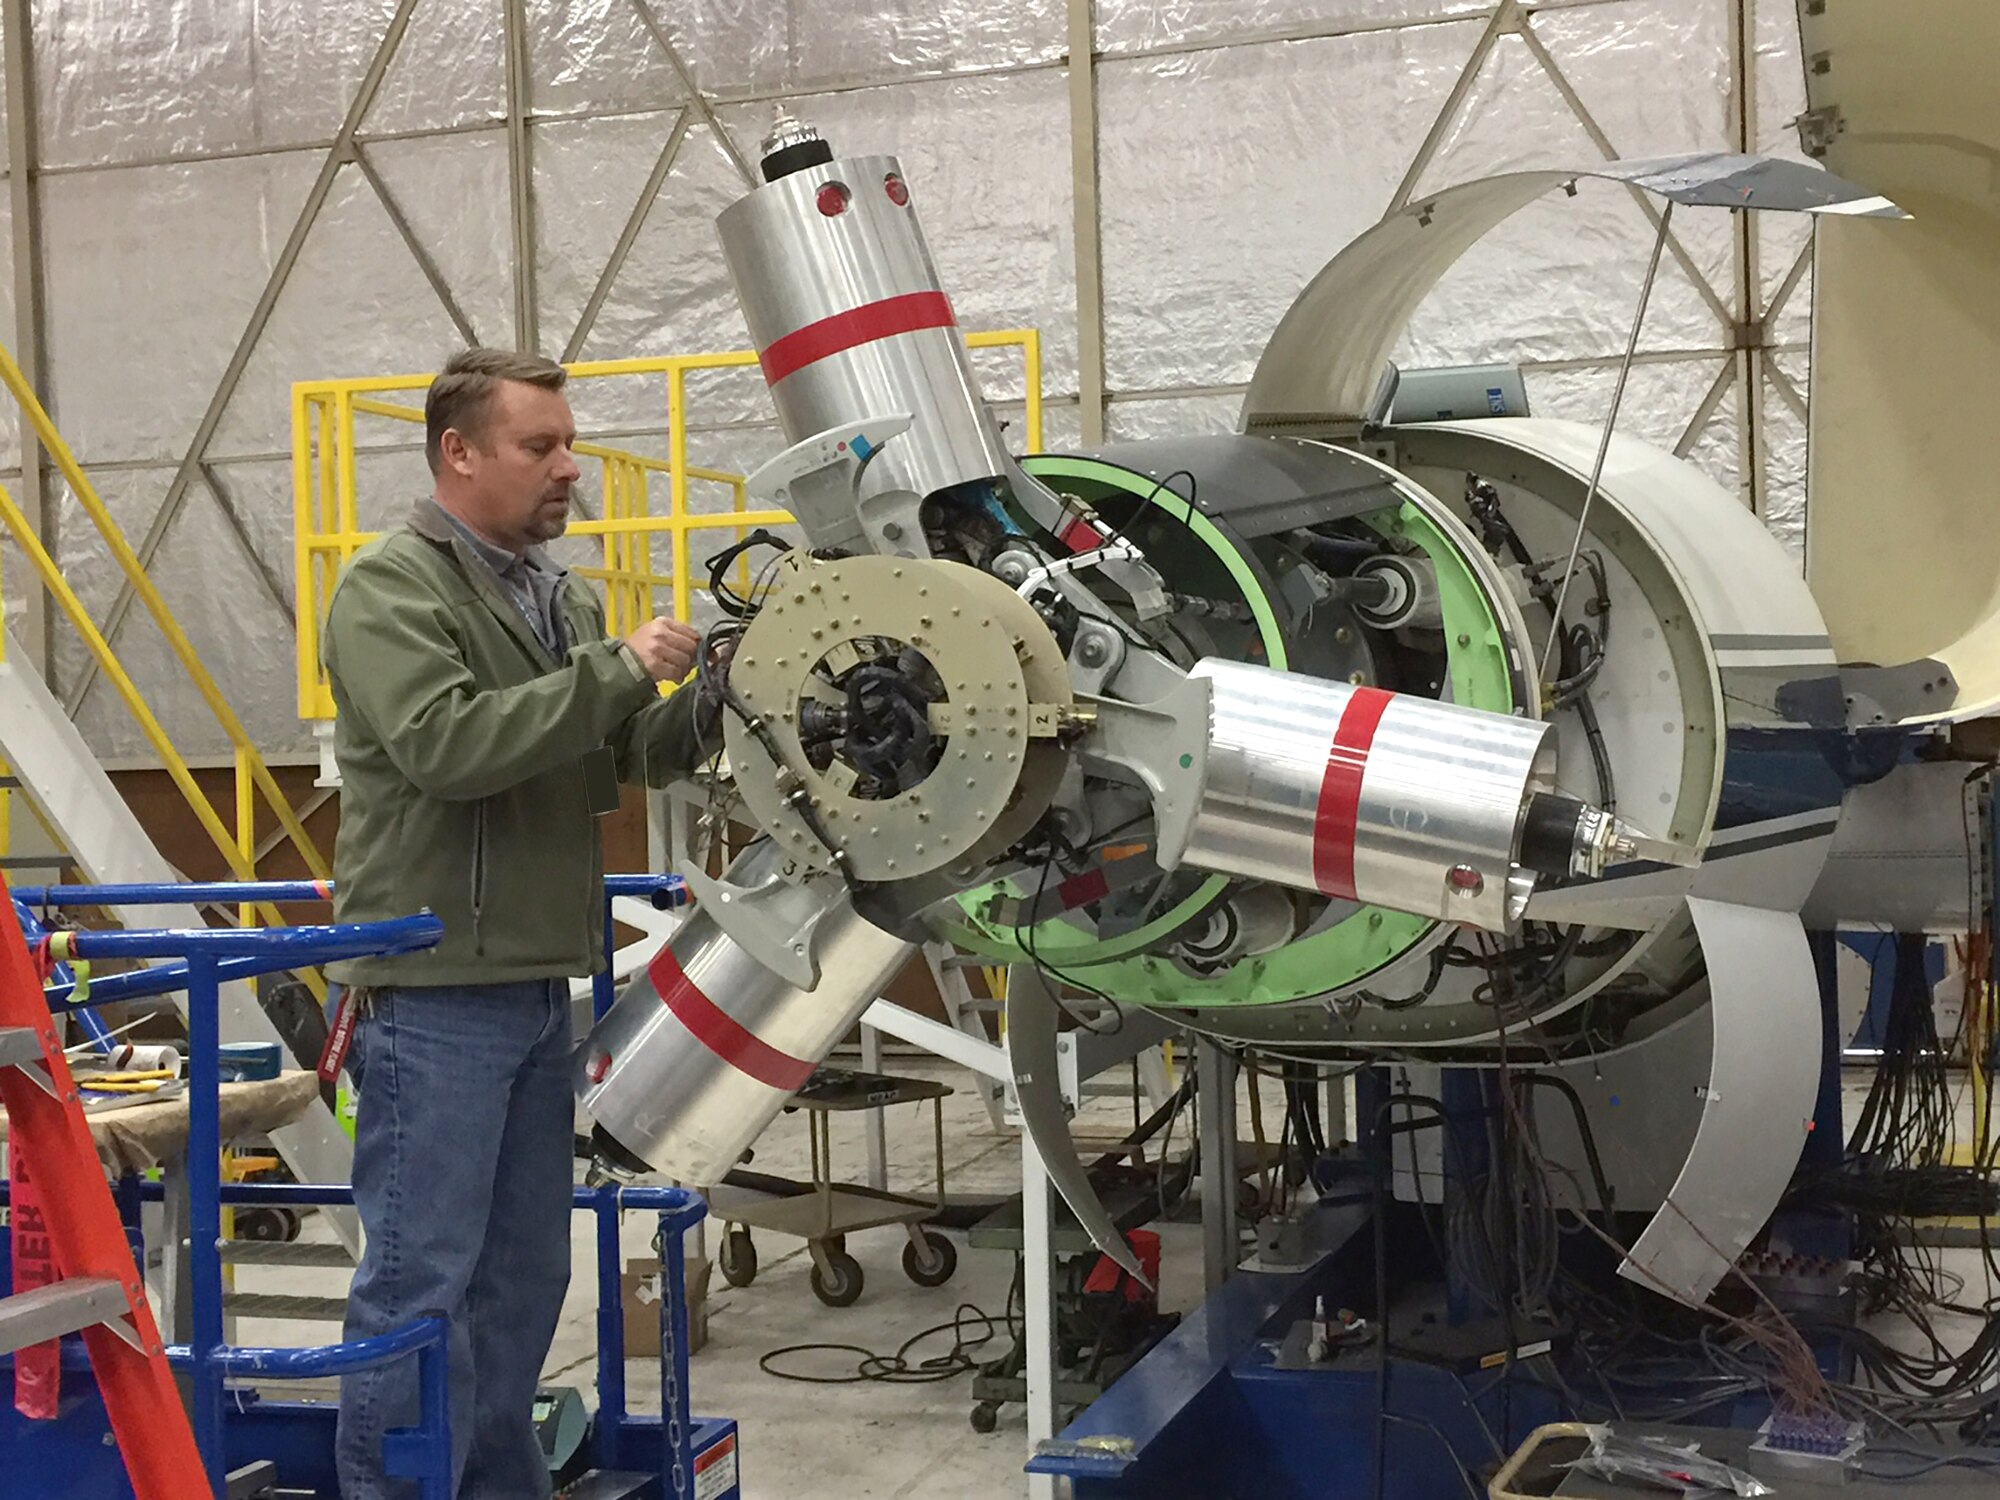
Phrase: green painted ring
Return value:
(1362, 944)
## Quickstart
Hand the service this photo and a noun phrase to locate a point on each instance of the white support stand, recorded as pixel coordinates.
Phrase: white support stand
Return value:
(989, 1062)
(876, 1136)
(1038, 1310)
(1215, 1095)
(963, 1009)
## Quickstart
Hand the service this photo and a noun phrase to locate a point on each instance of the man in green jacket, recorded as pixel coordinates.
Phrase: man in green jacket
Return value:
(484, 722)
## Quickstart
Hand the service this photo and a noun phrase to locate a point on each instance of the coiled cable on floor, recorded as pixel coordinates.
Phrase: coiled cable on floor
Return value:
(971, 1328)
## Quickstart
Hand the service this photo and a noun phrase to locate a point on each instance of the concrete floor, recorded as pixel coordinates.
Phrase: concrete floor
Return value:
(871, 1441)
(865, 1440)
(868, 1441)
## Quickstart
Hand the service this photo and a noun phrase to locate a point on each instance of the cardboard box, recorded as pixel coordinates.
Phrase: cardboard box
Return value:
(641, 1299)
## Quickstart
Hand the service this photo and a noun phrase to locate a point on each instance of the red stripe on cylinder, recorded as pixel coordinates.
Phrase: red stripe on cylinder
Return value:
(720, 1032)
(862, 325)
(1340, 792)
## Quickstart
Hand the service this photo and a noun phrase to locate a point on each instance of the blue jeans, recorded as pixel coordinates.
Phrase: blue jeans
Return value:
(462, 1176)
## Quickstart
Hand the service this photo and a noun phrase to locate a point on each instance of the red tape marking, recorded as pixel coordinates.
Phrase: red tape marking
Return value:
(1340, 792)
(863, 325)
(721, 1033)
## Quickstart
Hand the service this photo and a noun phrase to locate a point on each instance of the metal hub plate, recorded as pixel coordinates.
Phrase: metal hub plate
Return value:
(998, 664)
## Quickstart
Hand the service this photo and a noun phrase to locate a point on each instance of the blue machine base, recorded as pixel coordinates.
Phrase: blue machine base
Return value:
(73, 1454)
(1209, 1416)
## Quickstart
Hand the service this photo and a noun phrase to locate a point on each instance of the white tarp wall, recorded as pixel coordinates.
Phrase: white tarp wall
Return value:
(231, 195)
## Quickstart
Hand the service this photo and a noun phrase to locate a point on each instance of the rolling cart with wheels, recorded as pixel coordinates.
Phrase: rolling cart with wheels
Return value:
(823, 1212)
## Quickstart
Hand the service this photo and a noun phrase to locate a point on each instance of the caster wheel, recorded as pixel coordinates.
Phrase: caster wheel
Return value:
(738, 1259)
(934, 1264)
(840, 1283)
(985, 1417)
(263, 1224)
(294, 1222)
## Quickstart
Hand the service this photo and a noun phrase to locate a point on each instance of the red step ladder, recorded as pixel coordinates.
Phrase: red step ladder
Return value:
(100, 1294)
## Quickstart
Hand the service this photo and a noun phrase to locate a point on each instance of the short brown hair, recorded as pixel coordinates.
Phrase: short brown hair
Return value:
(462, 394)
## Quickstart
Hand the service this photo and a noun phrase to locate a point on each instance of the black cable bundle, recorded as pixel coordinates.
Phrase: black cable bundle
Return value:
(1907, 1119)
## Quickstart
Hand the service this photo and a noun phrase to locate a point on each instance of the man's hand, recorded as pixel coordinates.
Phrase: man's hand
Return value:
(665, 648)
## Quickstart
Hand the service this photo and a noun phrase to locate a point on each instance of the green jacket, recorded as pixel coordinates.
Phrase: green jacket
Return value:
(462, 745)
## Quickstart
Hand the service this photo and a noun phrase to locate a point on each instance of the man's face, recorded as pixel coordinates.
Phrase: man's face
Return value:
(520, 470)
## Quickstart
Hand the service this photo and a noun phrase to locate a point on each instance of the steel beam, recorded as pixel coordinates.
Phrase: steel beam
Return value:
(1602, 141)
(415, 246)
(844, 84)
(1506, 18)
(260, 315)
(232, 514)
(30, 325)
(1747, 323)
(1087, 221)
(1704, 413)
(520, 179)
(1789, 285)
(696, 98)
(1787, 392)
(634, 222)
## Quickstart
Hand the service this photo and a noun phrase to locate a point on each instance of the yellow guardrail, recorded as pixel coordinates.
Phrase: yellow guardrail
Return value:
(327, 532)
(253, 776)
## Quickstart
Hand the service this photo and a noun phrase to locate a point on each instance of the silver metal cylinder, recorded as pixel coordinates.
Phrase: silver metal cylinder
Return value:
(1369, 796)
(704, 1048)
(850, 321)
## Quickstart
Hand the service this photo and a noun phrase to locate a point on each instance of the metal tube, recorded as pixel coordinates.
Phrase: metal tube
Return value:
(686, 1207)
(204, 1174)
(705, 1047)
(677, 483)
(1215, 1102)
(610, 1338)
(882, 338)
(1382, 798)
(1038, 1304)
(174, 893)
(1604, 442)
(433, 1468)
(298, 945)
(604, 984)
(665, 892)
(677, 1440)
(33, 931)
(315, 1361)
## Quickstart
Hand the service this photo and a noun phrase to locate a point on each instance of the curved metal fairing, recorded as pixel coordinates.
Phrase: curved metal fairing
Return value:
(1326, 359)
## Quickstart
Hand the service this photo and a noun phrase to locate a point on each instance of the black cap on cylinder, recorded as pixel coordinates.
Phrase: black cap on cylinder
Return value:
(795, 157)
(1548, 834)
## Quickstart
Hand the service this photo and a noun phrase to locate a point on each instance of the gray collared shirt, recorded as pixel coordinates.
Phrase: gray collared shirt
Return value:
(530, 579)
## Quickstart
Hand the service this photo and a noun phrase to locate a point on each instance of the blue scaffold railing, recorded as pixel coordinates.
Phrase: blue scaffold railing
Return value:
(200, 961)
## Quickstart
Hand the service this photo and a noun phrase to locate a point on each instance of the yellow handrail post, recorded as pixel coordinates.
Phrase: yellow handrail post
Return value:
(350, 525)
(246, 830)
(677, 460)
(739, 494)
(642, 542)
(305, 594)
(1031, 359)
(614, 608)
